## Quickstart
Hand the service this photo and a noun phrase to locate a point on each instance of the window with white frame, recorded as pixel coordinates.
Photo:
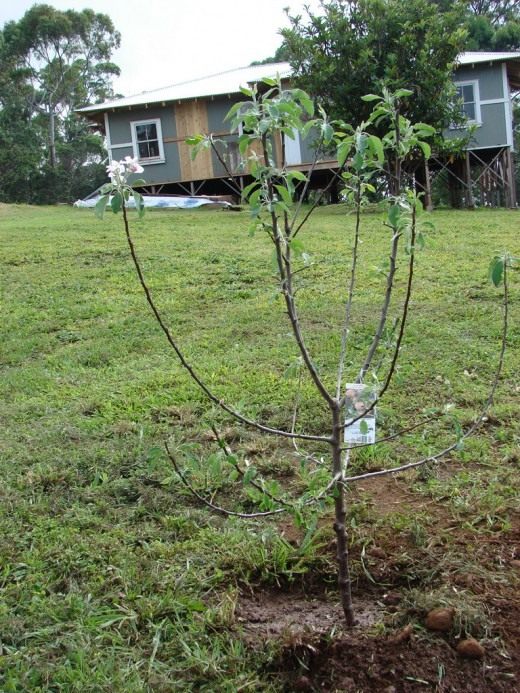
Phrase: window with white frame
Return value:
(147, 141)
(468, 97)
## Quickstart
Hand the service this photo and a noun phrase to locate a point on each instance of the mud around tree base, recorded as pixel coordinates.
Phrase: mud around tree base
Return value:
(291, 617)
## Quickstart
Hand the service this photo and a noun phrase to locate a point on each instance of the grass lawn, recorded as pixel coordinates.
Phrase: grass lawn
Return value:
(113, 578)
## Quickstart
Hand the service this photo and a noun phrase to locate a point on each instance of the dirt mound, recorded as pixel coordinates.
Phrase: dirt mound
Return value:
(361, 664)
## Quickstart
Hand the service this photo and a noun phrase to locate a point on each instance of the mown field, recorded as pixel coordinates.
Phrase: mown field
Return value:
(113, 578)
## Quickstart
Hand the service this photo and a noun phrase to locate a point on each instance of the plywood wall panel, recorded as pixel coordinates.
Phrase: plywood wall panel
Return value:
(191, 119)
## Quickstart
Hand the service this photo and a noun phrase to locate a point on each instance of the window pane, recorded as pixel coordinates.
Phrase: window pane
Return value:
(467, 92)
(143, 150)
(140, 131)
(147, 131)
(147, 140)
(151, 131)
(469, 111)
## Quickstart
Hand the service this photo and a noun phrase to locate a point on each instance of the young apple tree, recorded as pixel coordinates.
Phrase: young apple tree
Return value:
(268, 116)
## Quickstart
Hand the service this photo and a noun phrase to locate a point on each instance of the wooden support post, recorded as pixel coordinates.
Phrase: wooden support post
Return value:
(428, 203)
(510, 180)
(192, 188)
(470, 202)
(454, 184)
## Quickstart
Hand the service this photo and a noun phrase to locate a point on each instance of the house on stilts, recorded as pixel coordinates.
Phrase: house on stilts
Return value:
(153, 126)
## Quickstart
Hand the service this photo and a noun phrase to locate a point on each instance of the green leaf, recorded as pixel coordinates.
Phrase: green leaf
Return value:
(101, 206)
(371, 97)
(297, 246)
(139, 203)
(137, 183)
(426, 149)
(358, 162)
(297, 175)
(249, 189)
(284, 194)
(233, 110)
(327, 133)
(254, 199)
(193, 141)
(308, 127)
(377, 147)
(394, 214)
(363, 427)
(116, 203)
(343, 152)
(305, 101)
(424, 129)
(496, 270)
(249, 474)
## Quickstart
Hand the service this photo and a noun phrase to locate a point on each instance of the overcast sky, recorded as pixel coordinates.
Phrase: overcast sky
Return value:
(169, 41)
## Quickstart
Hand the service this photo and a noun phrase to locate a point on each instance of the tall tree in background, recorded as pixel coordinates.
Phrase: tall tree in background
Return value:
(52, 62)
(493, 25)
(352, 47)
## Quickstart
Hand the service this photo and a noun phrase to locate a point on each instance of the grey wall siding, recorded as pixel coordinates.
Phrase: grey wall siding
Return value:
(492, 132)
(489, 78)
(168, 172)
(119, 122)
(120, 133)
(493, 129)
(217, 111)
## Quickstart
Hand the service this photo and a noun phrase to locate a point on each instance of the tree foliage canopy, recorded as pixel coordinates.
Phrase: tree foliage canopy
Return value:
(352, 47)
(493, 25)
(51, 62)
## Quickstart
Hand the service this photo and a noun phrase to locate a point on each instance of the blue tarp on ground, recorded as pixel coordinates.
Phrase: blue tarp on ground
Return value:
(166, 202)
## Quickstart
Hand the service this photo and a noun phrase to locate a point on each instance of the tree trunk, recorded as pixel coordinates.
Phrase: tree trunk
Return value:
(344, 581)
(52, 137)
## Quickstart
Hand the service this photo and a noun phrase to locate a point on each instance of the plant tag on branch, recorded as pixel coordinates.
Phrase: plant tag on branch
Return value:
(358, 399)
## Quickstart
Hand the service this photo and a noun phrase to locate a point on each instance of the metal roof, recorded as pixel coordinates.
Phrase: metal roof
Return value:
(473, 57)
(222, 83)
(229, 82)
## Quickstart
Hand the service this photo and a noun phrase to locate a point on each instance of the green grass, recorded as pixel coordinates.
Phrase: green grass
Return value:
(111, 578)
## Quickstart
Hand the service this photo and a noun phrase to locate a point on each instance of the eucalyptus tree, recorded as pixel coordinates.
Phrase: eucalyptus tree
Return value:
(51, 62)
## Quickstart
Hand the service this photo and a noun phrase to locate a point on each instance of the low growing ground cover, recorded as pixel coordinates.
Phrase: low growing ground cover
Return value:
(113, 579)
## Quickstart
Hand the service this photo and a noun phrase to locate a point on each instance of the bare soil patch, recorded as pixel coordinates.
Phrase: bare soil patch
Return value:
(290, 617)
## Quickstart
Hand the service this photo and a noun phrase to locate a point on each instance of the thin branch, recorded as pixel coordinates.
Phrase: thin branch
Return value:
(350, 297)
(217, 508)
(223, 162)
(180, 355)
(474, 426)
(336, 174)
(241, 473)
(283, 259)
(384, 308)
(401, 327)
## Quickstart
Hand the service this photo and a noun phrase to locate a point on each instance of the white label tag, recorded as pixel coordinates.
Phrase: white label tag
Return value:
(358, 398)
